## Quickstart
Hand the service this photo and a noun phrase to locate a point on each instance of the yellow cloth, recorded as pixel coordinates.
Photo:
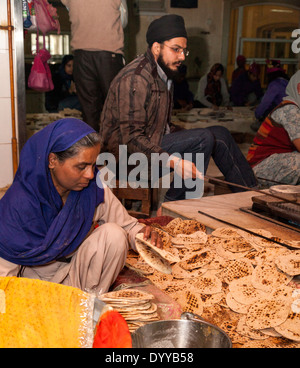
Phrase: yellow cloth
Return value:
(40, 314)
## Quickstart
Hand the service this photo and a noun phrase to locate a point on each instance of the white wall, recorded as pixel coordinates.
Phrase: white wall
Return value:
(204, 26)
(6, 166)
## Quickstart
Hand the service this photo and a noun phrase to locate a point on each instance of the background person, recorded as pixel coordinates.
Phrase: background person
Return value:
(183, 97)
(275, 152)
(137, 113)
(241, 68)
(212, 89)
(98, 42)
(64, 94)
(276, 91)
(246, 89)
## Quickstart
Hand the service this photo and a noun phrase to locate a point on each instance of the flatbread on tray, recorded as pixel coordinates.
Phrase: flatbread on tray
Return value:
(243, 291)
(153, 258)
(267, 313)
(163, 253)
(199, 237)
(266, 277)
(197, 260)
(289, 264)
(291, 327)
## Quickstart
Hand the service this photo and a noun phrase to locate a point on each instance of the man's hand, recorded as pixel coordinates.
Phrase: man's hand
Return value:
(184, 168)
(152, 235)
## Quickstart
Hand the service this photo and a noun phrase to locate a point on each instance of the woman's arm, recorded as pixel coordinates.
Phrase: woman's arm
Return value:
(200, 95)
(113, 211)
(225, 93)
(297, 144)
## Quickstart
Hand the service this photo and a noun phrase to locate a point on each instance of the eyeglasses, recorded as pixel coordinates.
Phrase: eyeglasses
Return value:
(178, 50)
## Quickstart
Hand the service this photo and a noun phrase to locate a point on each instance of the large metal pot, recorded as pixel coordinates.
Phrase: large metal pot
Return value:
(188, 332)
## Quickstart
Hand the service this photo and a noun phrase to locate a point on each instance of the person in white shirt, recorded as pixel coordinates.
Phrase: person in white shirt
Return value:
(212, 90)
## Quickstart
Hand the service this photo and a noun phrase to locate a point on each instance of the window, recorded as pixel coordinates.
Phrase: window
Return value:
(57, 45)
(263, 32)
(149, 6)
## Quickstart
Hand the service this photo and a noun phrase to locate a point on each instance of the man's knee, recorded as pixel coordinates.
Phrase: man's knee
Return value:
(220, 133)
(203, 140)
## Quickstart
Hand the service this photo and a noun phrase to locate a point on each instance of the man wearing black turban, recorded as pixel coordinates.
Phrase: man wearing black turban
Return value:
(137, 113)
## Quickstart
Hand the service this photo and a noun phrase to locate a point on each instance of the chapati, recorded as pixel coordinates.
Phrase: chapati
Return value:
(227, 254)
(208, 284)
(267, 313)
(187, 227)
(127, 295)
(266, 277)
(289, 264)
(243, 291)
(179, 273)
(237, 245)
(209, 300)
(243, 329)
(163, 253)
(291, 327)
(191, 302)
(153, 258)
(199, 237)
(236, 270)
(198, 260)
(225, 232)
(236, 306)
(140, 266)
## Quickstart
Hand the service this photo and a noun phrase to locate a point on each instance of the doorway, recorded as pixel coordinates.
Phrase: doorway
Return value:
(263, 32)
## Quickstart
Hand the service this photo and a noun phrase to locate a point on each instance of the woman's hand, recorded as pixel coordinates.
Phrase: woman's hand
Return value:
(152, 235)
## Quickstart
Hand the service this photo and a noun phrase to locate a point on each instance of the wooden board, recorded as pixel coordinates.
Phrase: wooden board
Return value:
(225, 207)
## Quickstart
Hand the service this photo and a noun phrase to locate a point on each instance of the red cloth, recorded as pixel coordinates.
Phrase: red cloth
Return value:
(112, 332)
(160, 220)
(271, 138)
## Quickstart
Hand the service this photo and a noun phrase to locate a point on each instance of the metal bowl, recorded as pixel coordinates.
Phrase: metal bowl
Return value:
(188, 332)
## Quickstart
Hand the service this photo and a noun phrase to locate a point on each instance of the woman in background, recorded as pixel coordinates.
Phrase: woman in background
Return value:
(276, 91)
(212, 89)
(64, 93)
(275, 152)
(246, 89)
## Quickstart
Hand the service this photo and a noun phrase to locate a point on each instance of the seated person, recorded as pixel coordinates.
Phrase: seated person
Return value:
(276, 91)
(137, 113)
(275, 152)
(241, 69)
(212, 89)
(183, 97)
(246, 89)
(64, 93)
(48, 215)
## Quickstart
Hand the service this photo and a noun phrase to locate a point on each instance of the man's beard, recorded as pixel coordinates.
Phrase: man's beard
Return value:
(171, 74)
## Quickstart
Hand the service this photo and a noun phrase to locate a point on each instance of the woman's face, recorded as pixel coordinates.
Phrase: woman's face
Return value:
(69, 67)
(218, 76)
(74, 173)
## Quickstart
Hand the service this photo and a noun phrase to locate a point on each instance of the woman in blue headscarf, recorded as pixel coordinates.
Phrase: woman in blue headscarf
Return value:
(48, 215)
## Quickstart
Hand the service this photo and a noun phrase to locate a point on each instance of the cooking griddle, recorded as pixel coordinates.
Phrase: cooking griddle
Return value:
(279, 212)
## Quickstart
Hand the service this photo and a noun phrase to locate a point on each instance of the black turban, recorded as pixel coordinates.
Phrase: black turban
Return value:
(165, 28)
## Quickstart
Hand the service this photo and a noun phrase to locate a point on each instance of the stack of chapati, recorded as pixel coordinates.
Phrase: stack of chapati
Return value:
(238, 281)
(135, 306)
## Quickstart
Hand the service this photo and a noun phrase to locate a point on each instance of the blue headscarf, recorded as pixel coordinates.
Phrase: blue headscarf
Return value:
(35, 227)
